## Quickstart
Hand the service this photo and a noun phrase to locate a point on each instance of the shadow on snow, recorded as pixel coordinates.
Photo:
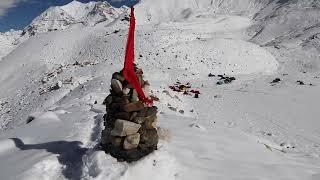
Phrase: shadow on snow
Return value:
(69, 155)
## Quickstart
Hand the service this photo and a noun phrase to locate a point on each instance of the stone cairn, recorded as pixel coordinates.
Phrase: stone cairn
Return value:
(130, 126)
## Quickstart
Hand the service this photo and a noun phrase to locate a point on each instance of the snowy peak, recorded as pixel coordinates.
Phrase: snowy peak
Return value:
(54, 18)
(77, 9)
(102, 11)
(61, 17)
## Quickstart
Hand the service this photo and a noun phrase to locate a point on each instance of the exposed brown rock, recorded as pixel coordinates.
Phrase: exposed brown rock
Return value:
(135, 106)
(117, 141)
(148, 138)
(118, 76)
(116, 86)
(122, 115)
(150, 122)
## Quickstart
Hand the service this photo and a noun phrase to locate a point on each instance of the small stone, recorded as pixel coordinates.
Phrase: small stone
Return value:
(125, 99)
(107, 101)
(133, 115)
(135, 96)
(151, 122)
(211, 75)
(57, 86)
(147, 114)
(135, 106)
(148, 138)
(126, 91)
(116, 86)
(220, 83)
(117, 141)
(131, 141)
(173, 109)
(148, 111)
(117, 107)
(300, 82)
(118, 76)
(124, 128)
(122, 115)
(139, 120)
(181, 111)
(276, 80)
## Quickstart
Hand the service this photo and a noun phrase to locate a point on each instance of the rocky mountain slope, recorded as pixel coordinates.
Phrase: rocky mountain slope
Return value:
(58, 18)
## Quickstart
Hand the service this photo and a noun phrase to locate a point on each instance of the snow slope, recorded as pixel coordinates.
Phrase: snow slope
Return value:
(8, 41)
(249, 129)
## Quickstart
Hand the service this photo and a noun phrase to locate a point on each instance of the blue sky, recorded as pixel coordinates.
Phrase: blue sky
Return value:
(16, 14)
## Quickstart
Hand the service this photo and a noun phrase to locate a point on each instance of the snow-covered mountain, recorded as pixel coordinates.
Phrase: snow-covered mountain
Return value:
(58, 18)
(8, 41)
(263, 125)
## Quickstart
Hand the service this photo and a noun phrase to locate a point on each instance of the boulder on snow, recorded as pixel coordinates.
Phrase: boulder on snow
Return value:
(57, 86)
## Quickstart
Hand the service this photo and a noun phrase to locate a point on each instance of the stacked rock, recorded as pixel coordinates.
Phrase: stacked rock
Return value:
(130, 127)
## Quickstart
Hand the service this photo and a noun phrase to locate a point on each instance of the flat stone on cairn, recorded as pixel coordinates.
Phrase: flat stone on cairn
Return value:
(130, 126)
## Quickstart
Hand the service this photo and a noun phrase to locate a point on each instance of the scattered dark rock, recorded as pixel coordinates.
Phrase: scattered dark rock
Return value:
(57, 86)
(276, 80)
(211, 75)
(185, 88)
(173, 109)
(126, 18)
(181, 111)
(116, 31)
(300, 82)
(225, 80)
(30, 119)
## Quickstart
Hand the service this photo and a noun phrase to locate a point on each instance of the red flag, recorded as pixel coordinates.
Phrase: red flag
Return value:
(128, 70)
